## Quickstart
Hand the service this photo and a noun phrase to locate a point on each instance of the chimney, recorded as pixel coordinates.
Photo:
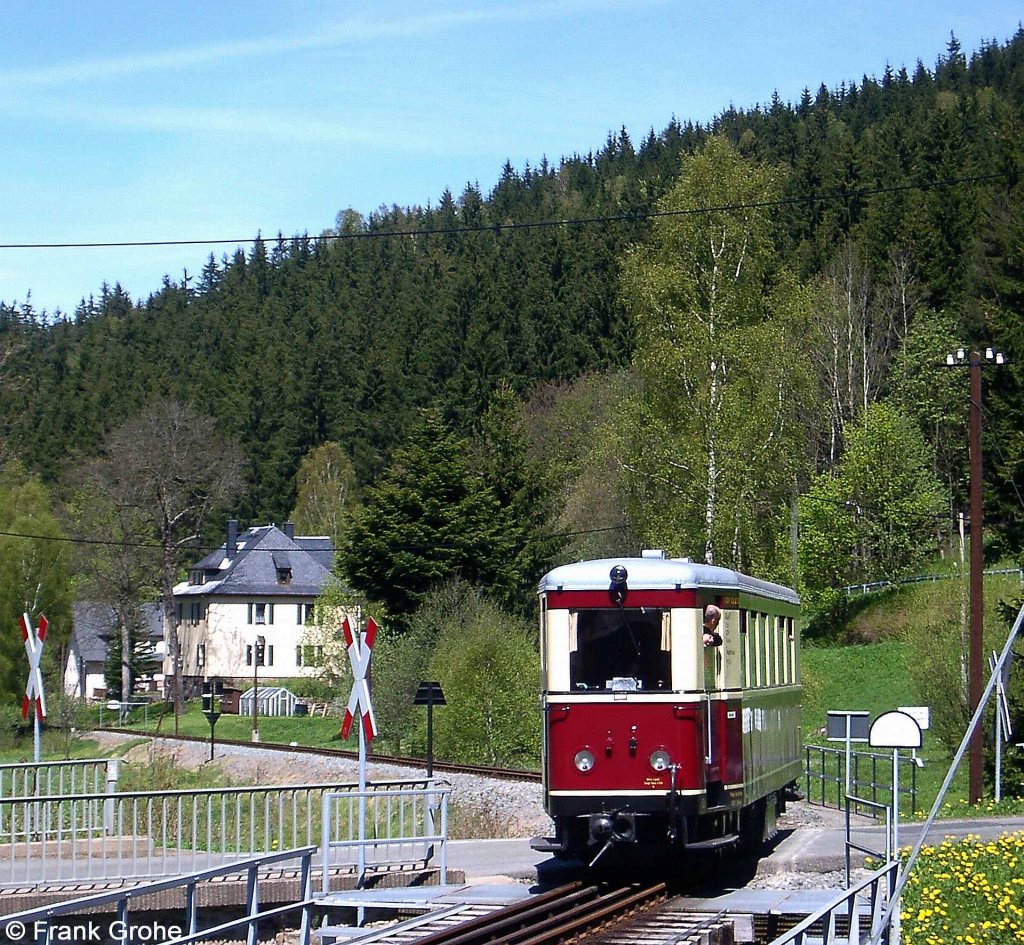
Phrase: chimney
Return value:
(231, 545)
(289, 529)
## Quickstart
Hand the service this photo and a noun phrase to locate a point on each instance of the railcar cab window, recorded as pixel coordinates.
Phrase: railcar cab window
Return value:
(620, 649)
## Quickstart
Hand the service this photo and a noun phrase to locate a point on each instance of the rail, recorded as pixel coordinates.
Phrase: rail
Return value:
(825, 778)
(872, 587)
(38, 925)
(842, 920)
(564, 914)
(486, 771)
(142, 834)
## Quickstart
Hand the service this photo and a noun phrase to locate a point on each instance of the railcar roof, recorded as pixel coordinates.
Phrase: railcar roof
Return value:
(653, 573)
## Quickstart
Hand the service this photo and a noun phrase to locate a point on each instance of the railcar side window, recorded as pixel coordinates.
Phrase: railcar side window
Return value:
(621, 650)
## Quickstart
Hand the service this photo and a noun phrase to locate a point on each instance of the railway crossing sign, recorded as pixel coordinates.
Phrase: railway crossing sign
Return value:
(360, 648)
(34, 648)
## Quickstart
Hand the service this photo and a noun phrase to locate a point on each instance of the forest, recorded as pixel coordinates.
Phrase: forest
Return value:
(724, 340)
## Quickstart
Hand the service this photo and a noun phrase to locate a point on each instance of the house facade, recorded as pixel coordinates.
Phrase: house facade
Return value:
(252, 597)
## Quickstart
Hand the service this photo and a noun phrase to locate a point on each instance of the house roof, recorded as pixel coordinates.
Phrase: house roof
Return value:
(92, 625)
(260, 555)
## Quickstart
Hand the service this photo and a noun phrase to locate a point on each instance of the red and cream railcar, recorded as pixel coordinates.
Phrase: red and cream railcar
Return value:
(651, 737)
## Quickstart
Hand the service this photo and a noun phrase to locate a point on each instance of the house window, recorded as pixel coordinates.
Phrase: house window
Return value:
(260, 613)
(248, 654)
(298, 656)
(269, 661)
(201, 655)
(284, 575)
(303, 614)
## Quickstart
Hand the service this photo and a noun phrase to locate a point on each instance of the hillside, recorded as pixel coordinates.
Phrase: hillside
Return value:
(345, 335)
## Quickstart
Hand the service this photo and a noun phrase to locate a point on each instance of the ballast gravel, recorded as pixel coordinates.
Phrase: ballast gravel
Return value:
(480, 807)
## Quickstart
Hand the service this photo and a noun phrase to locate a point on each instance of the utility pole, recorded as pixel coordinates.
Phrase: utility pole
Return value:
(974, 361)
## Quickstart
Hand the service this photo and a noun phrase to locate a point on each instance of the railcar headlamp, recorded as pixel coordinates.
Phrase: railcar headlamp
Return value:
(583, 760)
(618, 588)
(660, 760)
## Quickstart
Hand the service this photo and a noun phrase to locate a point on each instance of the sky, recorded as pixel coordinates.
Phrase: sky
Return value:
(126, 120)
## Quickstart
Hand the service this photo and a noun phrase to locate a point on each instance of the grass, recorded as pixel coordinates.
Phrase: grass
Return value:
(872, 677)
(314, 731)
(871, 672)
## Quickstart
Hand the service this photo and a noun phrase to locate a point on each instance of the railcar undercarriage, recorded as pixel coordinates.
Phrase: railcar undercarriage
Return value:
(589, 836)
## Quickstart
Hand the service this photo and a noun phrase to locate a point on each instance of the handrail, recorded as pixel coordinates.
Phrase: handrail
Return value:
(36, 921)
(865, 587)
(889, 853)
(145, 834)
(876, 884)
(234, 789)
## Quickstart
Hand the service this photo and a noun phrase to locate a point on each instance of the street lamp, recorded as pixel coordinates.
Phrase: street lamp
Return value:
(257, 661)
(975, 361)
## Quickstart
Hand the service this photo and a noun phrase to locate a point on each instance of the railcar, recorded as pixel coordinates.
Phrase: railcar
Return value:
(652, 738)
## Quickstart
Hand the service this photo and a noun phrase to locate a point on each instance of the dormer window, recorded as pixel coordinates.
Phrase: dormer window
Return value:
(197, 576)
(283, 567)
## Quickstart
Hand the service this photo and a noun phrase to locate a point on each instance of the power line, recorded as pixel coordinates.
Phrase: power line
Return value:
(637, 216)
(206, 549)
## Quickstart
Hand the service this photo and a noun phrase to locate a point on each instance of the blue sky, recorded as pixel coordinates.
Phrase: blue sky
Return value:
(129, 120)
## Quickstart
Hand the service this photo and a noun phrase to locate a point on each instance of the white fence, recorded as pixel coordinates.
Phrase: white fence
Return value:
(377, 829)
(138, 834)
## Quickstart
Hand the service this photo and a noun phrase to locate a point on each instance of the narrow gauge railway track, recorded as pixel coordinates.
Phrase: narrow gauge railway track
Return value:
(507, 774)
(572, 912)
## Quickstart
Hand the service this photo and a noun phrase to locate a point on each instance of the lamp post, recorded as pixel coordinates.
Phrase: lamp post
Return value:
(259, 648)
(974, 361)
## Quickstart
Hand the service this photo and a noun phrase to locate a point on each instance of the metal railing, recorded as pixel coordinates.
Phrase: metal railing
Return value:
(849, 918)
(375, 829)
(883, 811)
(39, 925)
(31, 779)
(138, 834)
(871, 587)
(28, 780)
(826, 784)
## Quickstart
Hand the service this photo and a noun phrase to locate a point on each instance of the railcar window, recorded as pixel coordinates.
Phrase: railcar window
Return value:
(759, 649)
(745, 622)
(621, 650)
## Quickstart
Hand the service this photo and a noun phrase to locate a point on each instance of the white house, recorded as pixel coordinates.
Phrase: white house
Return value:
(92, 628)
(257, 590)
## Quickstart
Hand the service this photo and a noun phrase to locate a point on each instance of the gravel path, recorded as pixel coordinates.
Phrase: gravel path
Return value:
(480, 807)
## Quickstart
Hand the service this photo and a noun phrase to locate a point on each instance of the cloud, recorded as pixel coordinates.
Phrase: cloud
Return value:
(236, 123)
(351, 31)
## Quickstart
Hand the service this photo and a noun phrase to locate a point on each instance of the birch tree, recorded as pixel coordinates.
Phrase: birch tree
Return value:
(173, 468)
(717, 435)
(326, 492)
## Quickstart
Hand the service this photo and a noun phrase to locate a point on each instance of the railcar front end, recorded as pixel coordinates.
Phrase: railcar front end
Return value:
(652, 738)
